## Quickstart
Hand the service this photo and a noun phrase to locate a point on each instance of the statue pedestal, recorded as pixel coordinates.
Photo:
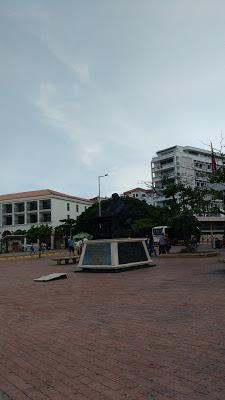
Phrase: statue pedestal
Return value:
(114, 254)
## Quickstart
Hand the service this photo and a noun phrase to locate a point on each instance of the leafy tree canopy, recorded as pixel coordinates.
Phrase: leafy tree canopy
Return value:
(147, 216)
(41, 232)
(185, 198)
(66, 228)
(218, 175)
(184, 225)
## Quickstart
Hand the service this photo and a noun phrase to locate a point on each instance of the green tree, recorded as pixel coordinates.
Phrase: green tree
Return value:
(184, 225)
(40, 232)
(137, 211)
(185, 198)
(141, 227)
(67, 227)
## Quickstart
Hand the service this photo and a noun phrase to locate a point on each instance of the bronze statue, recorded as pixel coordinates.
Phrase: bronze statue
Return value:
(115, 216)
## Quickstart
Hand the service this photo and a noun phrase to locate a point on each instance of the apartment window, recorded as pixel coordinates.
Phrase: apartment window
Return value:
(20, 220)
(133, 195)
(31, 205)
(68, 216)
(143, 195)
(77, 208)
(46, 217)
(45, 204)
(19, 207)
(7, 208)
(136, 194)
(33, 218)
(68, 206)
(8, 220)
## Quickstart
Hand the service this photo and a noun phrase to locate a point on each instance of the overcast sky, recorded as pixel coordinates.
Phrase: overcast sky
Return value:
(90, 87)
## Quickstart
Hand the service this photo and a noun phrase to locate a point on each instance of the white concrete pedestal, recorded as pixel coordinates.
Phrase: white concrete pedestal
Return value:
(111, 254)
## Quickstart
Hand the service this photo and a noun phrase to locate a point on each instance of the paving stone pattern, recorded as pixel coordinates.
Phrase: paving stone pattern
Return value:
(149, 334)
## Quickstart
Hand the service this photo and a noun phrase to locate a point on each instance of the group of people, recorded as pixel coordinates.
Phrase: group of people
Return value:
(41, 249)
(74, 246)
(164, 245)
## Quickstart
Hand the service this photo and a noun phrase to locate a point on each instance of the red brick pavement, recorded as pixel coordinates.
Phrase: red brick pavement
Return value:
(148, 334)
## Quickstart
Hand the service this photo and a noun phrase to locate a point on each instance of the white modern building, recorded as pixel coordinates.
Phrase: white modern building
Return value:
(24, 209)
(140, 194)
(181, 164)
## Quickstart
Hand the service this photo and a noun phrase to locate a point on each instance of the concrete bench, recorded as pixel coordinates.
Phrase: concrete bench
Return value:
(67, 260)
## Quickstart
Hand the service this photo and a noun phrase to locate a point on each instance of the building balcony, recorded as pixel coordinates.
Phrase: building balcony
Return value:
(32, 218)
(19, 219)
(7, 221)
(45, 217)
(32, 206)
(168, 156)
(19, 207)
(159, 178)
(7, 209)
(170, 166)
(45, 204)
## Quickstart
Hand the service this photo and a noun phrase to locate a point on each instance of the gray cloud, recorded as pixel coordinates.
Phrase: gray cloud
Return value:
(94, 87)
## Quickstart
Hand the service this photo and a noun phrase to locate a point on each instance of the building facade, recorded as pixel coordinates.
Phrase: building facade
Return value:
(19, 211)
(191, 167)
(141, 194)
(181, 164)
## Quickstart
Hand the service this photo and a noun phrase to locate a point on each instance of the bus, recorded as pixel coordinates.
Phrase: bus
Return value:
(158, 231)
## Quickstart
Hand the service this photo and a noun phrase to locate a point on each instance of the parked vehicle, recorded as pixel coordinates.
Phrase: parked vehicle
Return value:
(158, 231)
(165, 230)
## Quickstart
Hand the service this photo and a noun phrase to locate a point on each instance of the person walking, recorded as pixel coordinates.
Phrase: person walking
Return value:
(32, 250)
(40, 251)
(167, 244)
(194, 243)
(150, 246)
(162, 244)
(71, 246)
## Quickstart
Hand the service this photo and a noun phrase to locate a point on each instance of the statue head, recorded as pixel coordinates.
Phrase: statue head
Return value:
(115, 196)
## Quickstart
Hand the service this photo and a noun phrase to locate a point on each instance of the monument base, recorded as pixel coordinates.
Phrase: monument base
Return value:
(115, 254)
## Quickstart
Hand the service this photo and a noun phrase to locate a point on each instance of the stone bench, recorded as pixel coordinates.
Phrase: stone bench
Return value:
(67, 260)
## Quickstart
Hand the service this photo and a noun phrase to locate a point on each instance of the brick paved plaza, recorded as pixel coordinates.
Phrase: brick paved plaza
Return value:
(148, 334)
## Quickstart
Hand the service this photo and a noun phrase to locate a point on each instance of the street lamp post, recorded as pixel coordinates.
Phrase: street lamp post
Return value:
(99, 194)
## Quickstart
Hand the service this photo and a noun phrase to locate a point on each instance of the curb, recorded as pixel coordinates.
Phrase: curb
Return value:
(28, 256)
(186, 255)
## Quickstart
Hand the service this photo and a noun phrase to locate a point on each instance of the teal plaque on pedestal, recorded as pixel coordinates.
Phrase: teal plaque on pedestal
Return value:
(97, 254)
(130, 252)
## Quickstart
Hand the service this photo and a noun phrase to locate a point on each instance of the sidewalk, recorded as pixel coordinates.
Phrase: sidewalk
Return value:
(148, 334)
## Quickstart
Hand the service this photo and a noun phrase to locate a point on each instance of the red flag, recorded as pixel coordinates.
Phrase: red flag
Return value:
(213, 160)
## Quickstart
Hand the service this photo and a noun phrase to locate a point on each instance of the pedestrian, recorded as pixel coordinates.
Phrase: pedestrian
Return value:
(162, 244)
(78, 247)
(85, 240)
(39, 251)
(71, 245)
(167, 244)
(212, 240)
(66, 241)
(43, 247)
(32, 250)
(194, 243)
(81, 243)
(150, 246)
